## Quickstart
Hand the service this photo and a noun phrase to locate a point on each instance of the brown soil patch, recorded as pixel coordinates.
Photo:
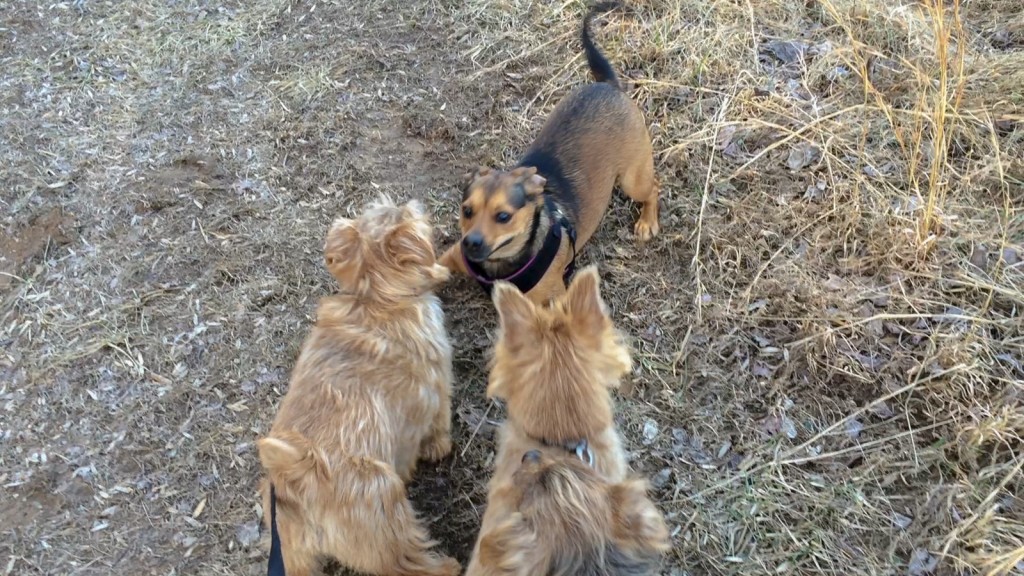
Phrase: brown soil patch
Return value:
(19, 248)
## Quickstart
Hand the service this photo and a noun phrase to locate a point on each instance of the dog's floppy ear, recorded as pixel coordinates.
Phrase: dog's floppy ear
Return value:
(516, 314)
(639, 528)
(583, 300)
(472, 175)
(532, 183)
(289, 457)
(509, 549)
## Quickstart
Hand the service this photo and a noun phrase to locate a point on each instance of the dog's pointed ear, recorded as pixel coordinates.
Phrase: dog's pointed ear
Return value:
(410, 243)
(413, 210)
(583, 299)
(341, 252)
(509, 548)
(516, 315)
(639, 528)
(289, 457)
(532, 183)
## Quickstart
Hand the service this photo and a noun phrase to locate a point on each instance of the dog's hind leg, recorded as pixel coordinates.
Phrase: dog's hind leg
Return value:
(386, 536)
(438, 443)
(640, 184)
(298, 546)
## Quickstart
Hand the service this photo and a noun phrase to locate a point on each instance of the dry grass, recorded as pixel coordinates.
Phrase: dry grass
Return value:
(828, 330)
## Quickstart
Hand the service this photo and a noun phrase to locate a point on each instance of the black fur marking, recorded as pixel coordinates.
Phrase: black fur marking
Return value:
(525, 256)
(558, 184)
(517, 197)
(599, 65)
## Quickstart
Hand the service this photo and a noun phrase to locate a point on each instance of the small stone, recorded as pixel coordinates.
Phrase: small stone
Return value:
(650, 431)
(248, 533)
(661, 479)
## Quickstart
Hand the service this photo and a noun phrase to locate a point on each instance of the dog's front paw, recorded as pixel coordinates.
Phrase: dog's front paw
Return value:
(450, 567)
(437, 448)
(645, 230)
(452, 260)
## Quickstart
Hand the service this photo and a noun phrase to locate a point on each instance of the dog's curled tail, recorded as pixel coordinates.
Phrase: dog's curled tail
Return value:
(599, 65)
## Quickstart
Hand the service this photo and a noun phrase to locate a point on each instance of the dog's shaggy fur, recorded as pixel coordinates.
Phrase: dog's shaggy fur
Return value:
(369, 396)
(548, 512)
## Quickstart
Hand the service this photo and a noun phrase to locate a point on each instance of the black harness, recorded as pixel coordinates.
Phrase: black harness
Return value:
(526, 277)
(275, 566)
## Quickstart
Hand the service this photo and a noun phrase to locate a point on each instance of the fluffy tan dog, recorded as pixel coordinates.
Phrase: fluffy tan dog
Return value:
(369, 396)
(560, 502)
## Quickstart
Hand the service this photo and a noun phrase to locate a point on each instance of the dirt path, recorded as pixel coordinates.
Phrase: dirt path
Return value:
(201, 152)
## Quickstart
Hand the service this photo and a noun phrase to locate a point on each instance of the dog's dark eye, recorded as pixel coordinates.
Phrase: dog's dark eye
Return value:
(467, 211)
(502, 217)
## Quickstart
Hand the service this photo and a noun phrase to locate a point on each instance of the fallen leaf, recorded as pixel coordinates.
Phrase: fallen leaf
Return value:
(979, 257)
(835, 283)
(475, 419)
(882, 410)
(199, 508)
(854, 428)
(1010, 256)
(786, 51)
(922, 562)
(789, 427)
(901, 521)
(802, 156)
(661, 479)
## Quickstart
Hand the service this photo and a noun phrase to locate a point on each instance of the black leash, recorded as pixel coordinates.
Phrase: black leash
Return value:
(275, 567)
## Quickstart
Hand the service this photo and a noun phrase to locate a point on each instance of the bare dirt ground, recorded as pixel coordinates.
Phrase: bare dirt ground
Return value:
(828, 330)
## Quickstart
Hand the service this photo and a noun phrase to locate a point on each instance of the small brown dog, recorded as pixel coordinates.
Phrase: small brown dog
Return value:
(524, 226)
(560, 502)
(369, 396)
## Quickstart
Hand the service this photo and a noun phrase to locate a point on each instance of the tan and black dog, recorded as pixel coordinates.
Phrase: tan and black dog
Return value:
(525, 225)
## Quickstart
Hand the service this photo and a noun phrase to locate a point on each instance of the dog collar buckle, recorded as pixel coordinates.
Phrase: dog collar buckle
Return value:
(583, 452)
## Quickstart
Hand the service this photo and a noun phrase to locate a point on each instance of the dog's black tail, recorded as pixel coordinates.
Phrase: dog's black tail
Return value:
(599, 65)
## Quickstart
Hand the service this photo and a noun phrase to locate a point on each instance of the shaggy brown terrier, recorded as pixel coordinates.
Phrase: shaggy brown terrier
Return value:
(525, 226)
(369, 396)
(560, 502)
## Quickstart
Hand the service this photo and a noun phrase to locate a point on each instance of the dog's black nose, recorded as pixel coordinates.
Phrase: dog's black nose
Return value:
(473, 245)
(473, 241)
(533, 456)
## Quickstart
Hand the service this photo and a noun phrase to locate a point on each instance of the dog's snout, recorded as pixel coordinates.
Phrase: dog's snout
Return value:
(473, 241)
(473, 246)
(532, 457)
